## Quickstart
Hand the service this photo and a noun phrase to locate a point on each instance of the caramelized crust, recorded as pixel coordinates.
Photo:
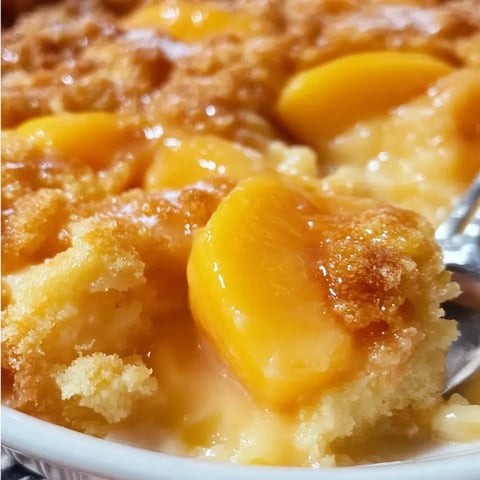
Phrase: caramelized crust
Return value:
(374, 266)
(228, 88)
(332, 28)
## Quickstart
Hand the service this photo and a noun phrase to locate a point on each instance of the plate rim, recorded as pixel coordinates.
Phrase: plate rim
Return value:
(83, 453)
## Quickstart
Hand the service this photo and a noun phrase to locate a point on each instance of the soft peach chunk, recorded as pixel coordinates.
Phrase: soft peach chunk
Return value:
(92, 137)
(190, 21)
(185, 160)
(324, 101)
(252, 290)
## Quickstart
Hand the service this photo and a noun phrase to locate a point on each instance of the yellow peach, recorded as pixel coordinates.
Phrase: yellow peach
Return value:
(92, 137)
(318, 104)
(253, 290)
(183, 160)
(189, 21)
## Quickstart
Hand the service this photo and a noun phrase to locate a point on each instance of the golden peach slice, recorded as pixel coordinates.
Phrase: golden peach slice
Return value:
(189, 21)
(92, 136)
(184, 160)
(253, 289)
(318, 104)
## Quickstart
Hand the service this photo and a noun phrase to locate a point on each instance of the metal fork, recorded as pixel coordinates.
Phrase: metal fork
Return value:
(459, 237)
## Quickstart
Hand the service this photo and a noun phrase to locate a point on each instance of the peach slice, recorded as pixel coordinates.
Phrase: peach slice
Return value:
(318, 104)
(182, 161)
(189, 21)
(253, 290)
(92, 136)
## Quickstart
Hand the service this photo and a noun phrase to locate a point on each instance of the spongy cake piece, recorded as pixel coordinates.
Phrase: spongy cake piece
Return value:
(106, 384)
(122, 271)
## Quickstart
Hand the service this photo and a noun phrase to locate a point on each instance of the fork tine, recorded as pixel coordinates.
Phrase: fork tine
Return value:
(461, 213)
(472, 228)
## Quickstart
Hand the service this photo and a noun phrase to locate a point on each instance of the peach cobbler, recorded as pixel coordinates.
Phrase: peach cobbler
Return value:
(218, 222)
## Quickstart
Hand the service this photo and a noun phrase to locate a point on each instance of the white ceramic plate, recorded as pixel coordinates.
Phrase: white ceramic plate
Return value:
(62, 454)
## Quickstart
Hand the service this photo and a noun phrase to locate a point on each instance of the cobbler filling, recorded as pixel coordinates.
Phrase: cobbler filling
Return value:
(218, 222)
